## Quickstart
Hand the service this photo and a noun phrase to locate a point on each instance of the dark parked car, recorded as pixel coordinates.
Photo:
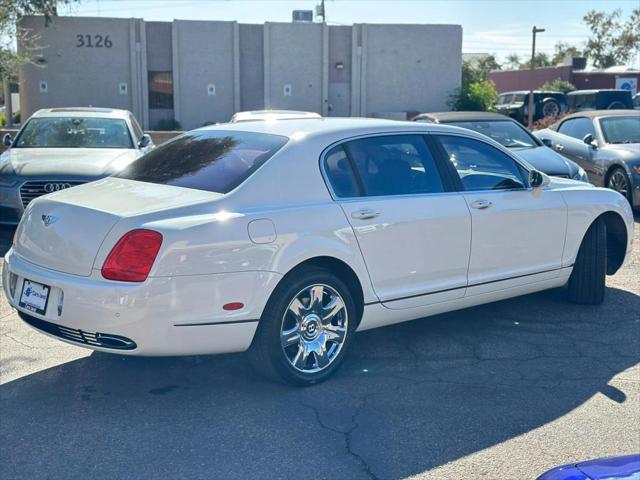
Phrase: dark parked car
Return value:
(516, 104)
(512, 135)
(580, 100)
(606, 143)
(615, 468)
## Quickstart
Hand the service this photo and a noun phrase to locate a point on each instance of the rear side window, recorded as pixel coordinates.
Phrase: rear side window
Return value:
(394, 165)
(211, 160)
(340, 173)
(481, 166)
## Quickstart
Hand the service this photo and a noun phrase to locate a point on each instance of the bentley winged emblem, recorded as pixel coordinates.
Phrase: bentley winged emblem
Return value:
(49, 219)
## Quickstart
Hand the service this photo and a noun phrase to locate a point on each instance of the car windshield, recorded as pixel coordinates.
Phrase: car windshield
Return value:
(74, 132)
(211, 160)
(621, 129)
(504, 132)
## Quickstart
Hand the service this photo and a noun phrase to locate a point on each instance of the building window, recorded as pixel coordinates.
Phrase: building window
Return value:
(161, 90)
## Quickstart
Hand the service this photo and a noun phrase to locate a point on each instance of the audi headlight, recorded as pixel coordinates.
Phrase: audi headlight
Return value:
(581, 176)
(7, 181)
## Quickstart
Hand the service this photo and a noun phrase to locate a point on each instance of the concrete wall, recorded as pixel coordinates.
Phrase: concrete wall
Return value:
(77, 74)
(340, 71)
(407, 67)
(510, 80)
(294, 71)
(220, 68)
(251, 67)
(205, 55)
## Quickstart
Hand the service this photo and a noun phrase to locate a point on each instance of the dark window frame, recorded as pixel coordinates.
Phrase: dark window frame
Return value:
(448, 182)
(155, 98)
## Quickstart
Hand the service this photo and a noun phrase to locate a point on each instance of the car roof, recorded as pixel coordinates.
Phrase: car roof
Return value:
(444, 117)
(596, 90)
(336, 128)
(82, 111)
(275, 114)
(527, 91)
(604, 113)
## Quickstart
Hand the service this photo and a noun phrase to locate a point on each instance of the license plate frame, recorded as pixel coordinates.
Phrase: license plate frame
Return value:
(34, 290)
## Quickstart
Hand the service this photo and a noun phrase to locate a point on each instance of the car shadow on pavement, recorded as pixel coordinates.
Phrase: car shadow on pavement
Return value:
(409, 398)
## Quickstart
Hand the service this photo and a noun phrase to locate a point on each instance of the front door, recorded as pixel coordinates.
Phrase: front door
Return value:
(517, 232)
(414, 234)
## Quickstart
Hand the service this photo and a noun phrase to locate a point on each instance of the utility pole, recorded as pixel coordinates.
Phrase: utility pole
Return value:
(533, 67)
(320, 11)
(6, 86)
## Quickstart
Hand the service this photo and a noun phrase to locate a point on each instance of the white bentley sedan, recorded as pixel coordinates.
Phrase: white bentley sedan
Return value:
(286, 237)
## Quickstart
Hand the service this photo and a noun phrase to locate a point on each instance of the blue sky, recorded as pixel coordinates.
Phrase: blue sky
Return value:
(497, 26)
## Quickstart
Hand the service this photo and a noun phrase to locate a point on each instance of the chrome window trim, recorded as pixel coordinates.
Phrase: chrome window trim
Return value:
(336, 198)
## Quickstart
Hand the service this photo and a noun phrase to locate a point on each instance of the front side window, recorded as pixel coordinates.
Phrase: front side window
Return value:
(211, 160)
(481, 166)
(505, 132)
(161, 90)
(394, 165)
(577, 128)
(74, 132)
(621, 129)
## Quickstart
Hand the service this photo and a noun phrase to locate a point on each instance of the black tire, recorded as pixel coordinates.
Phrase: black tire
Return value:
(587, 280)
(267, 354)
(619, 181)
(550, 108)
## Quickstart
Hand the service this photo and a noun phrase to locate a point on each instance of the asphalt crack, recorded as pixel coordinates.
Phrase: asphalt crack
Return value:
(347, 435)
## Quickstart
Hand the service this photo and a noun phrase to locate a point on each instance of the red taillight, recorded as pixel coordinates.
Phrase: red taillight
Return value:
(132, 257)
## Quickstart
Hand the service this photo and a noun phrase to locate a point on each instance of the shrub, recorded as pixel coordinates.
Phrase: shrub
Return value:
(546, 122)
(476, 96)
(559, 85)
(168, 125)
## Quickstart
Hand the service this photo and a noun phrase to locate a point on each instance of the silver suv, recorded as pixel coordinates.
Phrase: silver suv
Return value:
(59, 148)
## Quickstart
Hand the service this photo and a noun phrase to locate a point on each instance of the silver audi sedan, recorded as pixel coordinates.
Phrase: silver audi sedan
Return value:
(59, 148)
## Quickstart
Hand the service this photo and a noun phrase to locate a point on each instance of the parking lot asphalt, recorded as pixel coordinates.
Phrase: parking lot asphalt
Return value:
(500, 391)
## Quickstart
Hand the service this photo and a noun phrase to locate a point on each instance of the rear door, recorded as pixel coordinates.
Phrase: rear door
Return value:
(414, 232)
(517, 232)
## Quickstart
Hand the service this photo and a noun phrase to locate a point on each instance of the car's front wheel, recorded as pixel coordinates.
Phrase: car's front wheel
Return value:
(305, 329)
(587, 280)
(619, 181)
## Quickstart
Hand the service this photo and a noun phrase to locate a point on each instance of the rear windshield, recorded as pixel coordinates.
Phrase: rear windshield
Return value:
(74, 132)
(506, 132)
(215, 161)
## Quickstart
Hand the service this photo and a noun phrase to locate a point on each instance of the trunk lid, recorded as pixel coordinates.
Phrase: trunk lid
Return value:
(63, 231)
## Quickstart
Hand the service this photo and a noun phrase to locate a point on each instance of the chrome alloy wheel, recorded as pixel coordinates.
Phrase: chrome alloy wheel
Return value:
(314, 328)
(619, 183)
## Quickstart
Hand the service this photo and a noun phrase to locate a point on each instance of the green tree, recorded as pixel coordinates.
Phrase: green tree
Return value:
(561, 50)
(477, 96)
(541, 60)
(513, 61)
(559, 85)
(612, 41)
(487, 63)
(10, 32)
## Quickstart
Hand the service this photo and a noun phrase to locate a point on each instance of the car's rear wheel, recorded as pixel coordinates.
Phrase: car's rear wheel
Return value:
(305, 329)
(587, 280)
(618, 180)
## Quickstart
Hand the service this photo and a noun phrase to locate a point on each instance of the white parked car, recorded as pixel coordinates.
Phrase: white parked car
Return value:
(287, 237)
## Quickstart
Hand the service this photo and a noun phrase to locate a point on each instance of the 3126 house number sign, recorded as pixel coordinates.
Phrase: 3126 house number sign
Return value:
(93, 41)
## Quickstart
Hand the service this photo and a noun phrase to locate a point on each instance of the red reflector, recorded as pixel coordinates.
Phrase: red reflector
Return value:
(132, 257)
(233, 306)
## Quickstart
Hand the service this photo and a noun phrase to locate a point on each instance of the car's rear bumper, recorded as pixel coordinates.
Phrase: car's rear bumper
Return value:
(180, 315)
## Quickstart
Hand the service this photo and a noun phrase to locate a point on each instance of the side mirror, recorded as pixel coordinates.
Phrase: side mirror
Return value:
(145, 141)
(590, 140)
(7, 140)
(547, 142)
(538, 179)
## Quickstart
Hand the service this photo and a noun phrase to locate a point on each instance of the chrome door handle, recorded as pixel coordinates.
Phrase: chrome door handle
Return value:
(364, 214)
(559, 147)
(481, 204)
